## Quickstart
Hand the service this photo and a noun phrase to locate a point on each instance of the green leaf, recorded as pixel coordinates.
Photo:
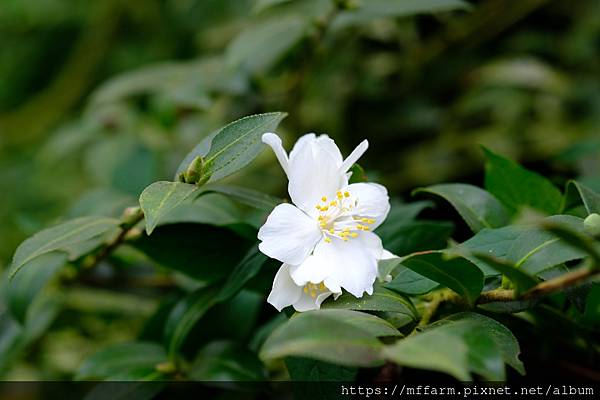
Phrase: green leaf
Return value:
(591, 313)
(143, 390)
(237, 144)
(66, 237)
(409, 282)
(203, 252)
(459, 345)
(370, 323)
(226, 361)
(517, 187)
(211, 208)
(536, 250)
(493, 242)
(458, 273)
(323, 336)
(29, 281)
(374, 9)
(381, 300)
(242, 273)
(244, 195)
(184, 316)
(358, 174)
(308, 370)
(162, 197)
(477, 207)
(122, 358)
(248, 50)
(416, 236)
(576, 192)
(520, 279)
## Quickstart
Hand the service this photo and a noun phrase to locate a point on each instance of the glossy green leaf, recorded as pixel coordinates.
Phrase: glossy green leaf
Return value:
(535, 249)
(370, 323)
(416, 236)
(382, 299)
(462, 344)
(242, 273)
(457, 273)
(493, 242)
(160, 198)
(577, 192)
(477, 207)
(517, 187)
(409, 282)
(591, 313)
(29, 281)
(250, 197)
(308, 370)
(238, 143)
(122, 358)
(521, 280)
(65, 237)
(322, 336)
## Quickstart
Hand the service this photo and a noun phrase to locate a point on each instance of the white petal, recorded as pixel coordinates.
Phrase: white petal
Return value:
(372, 201)
(327, 144)
(284, 292)
(289, 235)
(312, 270)
(355, 155)
(307, 303)
(304, 140)
(387, 255)
(351, 265)
(313, 173)
(274, 141)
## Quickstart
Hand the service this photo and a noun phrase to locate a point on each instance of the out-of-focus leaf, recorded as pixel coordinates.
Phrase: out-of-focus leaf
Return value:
(416, 236)
(535, 249)
(204, 252)
(211, 208)
(160, 198)
(64, 237)
(591, 313)
(258, 47)
(478, 208)
(370, 323)
(308, 370)
(369, 10)
(457, 273)
(29, 281)
(103, 202)
(320, 335)
(184, 316)
(576, 192)
(517, 187)
(142, 390)
(409, 282)
(462, 344)
(226, 361)
(381, 300)
(122, 358)
(242, 273)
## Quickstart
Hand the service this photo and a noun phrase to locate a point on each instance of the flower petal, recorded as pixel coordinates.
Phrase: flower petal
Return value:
(354, 156)
(351, 265)
(313, 173)
(307, 303)
(289, 235)
(284, 292)
(372, 201)
(274, 141)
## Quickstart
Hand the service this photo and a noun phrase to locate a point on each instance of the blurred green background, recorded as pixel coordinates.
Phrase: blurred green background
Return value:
(100, 98)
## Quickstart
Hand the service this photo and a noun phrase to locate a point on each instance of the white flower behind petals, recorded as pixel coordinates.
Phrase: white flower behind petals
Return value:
(325, 238)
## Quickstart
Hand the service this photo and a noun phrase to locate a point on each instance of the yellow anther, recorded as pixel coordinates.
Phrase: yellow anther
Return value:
(339, 195)
(324, 208)
(333, 204)
(359, 227)
(324, 199)
(346, 229)
(313, 294)
(365, 228)
(346, 194)
(305, 289)
(345, 239)
(327, 240)
(331, 230)
(322, 286)
(354, 234)
(318, 207)
(371, 221)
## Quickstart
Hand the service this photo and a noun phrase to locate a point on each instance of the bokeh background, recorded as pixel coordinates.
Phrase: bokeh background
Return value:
(100, 98)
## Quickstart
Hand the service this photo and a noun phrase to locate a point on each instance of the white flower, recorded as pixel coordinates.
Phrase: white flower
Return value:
(325, 238)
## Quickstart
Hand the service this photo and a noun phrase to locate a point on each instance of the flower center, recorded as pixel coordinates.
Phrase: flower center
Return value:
(315, 289)
(337, 218)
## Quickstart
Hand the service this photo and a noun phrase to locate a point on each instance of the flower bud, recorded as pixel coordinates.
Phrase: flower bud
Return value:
(592, 225)
(131, 216)
(196, 172)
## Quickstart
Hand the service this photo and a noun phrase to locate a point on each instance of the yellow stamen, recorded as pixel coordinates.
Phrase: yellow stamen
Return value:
(331, 230)
(346, 194)
(324, 199)
(305, 289)
(354, 234)
(313, 294)
(339, 195)
(327, 240)
(322, 286)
